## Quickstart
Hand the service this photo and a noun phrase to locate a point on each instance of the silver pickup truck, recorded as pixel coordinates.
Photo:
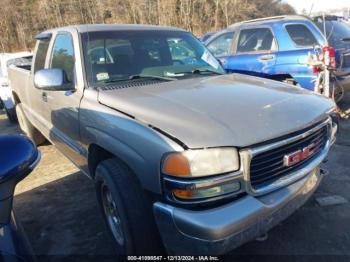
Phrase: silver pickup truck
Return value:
(183, 155)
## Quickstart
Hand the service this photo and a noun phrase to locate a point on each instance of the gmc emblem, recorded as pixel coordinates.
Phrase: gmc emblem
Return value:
(298, 156)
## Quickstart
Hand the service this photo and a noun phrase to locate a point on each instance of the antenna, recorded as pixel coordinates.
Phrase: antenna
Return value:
(324, 26)
(311, 7)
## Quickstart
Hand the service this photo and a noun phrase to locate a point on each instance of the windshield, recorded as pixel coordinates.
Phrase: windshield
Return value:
(120, 56)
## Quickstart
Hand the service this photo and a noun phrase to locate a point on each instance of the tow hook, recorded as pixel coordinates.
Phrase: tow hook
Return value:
(262, 238)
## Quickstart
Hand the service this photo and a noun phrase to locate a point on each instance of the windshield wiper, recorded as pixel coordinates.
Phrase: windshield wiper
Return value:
(196, 71)
(135, 77)
(132, 77)
(200, 71)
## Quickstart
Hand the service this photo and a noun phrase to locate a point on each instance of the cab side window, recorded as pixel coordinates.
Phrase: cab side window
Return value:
(256, 40)
(221, 45)
(63, 55)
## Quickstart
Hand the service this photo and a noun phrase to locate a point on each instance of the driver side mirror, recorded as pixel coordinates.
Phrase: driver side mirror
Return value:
(18, 157)
(53, 80)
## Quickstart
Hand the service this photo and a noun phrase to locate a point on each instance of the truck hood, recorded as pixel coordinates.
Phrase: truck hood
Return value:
(227, 110)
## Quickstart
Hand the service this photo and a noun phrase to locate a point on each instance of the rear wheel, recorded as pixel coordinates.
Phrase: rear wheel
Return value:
(127, 210)
(27, 127)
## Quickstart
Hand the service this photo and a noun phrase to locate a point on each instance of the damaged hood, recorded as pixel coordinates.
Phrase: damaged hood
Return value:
(226, 110)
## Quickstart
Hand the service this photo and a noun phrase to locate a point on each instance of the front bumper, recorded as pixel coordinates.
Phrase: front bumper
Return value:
(219, 230)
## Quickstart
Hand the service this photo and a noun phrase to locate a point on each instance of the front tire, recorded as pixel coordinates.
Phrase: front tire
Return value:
(27, 127)
(127, 210)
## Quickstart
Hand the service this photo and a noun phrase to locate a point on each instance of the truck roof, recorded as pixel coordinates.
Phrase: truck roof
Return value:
(113, 27)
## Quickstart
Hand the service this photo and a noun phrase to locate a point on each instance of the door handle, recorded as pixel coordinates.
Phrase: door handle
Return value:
(266, 57)
(44, 96)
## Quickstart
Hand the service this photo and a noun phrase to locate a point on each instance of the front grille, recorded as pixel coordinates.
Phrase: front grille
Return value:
(267, 167)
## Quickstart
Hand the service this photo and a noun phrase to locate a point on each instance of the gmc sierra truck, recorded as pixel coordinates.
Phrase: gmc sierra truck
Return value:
(183, 155)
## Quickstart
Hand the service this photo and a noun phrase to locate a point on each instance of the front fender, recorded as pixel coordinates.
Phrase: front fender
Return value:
(136, 144)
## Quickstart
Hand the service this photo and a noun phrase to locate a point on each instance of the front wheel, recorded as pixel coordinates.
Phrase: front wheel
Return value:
(127, 210)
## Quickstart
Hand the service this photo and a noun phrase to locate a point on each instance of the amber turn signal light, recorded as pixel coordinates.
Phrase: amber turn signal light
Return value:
(176, 165)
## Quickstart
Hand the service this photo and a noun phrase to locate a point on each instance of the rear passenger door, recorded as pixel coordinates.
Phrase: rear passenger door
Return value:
(33, 105)
(293, 57)
(255, 52)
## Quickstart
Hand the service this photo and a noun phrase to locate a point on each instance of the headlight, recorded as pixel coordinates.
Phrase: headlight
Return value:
(201, 162)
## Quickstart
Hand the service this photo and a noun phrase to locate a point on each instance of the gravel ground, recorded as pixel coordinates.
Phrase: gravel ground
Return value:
(57, 207)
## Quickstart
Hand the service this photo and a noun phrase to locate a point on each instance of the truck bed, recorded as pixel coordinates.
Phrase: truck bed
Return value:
(19, 79)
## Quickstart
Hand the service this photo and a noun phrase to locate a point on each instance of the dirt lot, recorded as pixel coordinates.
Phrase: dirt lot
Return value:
(57, 207)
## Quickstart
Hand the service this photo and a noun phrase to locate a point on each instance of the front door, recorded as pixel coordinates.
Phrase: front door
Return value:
(61, 108)
(255, 52)
(221, 47)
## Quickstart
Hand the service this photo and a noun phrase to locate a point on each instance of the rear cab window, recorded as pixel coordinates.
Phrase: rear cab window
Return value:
(256, 40)
(41, 52)
(301, 35)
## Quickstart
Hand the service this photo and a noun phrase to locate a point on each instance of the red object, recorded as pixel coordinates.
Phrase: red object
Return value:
(331, 54)
(298, 156)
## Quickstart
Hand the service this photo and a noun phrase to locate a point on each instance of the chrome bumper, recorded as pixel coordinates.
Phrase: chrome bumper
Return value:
(219, 230)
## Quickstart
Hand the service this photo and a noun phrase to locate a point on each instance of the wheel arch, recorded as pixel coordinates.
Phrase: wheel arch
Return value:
(106, 147)
(141, 150)
(97, 154)
(16, 98)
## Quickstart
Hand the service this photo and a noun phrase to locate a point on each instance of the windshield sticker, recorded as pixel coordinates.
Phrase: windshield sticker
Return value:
(210, 59)
(102, 76)
(171, 74)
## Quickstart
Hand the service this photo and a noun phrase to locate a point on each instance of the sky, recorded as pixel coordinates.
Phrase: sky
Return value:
(318, 5)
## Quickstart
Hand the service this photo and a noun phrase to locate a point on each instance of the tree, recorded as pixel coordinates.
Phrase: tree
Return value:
(23, 19)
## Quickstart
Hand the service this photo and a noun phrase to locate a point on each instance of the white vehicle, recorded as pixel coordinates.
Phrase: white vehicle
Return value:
(6, 99)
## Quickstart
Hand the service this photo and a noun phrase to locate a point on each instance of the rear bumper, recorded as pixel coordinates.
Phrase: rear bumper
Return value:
(219, 230)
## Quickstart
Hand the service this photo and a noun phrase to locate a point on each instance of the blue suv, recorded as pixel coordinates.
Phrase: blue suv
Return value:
(274, 47)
